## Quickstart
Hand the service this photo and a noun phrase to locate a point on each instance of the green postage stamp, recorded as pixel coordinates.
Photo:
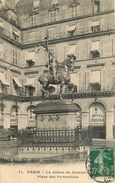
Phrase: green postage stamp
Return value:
(100, 164)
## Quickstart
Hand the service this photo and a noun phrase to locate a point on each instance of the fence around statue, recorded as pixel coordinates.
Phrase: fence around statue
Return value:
(54, 137)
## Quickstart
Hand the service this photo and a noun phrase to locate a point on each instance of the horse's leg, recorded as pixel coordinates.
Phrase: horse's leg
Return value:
(44, 88)
(43, 92)
(61, 89)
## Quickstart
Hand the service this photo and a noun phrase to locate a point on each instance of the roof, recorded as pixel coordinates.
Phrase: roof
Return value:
(26, 6)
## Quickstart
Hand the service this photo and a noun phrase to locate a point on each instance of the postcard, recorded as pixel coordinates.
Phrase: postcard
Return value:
(57, 91)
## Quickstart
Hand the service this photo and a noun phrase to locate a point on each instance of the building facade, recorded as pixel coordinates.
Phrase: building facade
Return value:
(85, 29)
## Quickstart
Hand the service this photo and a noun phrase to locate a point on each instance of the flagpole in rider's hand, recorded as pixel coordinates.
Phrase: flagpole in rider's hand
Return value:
(47, 44)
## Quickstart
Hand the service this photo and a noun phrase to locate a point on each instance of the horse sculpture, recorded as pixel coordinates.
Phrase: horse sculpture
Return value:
(56, 74)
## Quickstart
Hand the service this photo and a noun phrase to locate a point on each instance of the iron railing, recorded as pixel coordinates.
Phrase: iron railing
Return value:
(54, 137)
(84, 94)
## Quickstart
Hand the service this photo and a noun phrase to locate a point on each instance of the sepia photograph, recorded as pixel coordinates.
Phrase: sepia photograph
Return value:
(57, 91)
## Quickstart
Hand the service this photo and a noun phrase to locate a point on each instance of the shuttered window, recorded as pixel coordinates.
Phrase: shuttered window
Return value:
(15, 57)
(87, 80)
(52, 15)
(51, 32)
(80, 84)
(113, 78)
(104, 79)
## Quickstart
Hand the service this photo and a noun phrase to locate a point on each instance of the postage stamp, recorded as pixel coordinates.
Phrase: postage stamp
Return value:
(100, 164)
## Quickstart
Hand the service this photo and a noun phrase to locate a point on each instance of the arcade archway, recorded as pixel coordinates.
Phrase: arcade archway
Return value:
(97, 117)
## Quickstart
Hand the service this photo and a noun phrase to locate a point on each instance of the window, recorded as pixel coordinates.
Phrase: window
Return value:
(74, 7)
(95, 81)
(32, 36)
(95, 53)
(34, 18)
(30, 63)
(15, 57)
(113, 78)
(95, 27)
(71, 30)
(51, 32)
(74, 2)
(52, 16)
(74, 10)
(30, 86)
(30, 91)
(96, 6)
(30, 59)
(72, 50)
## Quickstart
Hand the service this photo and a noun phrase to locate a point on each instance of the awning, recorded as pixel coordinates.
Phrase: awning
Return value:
(71, 28)
(30, 56)
(95, 45)
(72, 50)
(95, 77)
(74, 79)
(30, 82)
(17, 81)
(95, 23)
(16, 33)
(3, 79)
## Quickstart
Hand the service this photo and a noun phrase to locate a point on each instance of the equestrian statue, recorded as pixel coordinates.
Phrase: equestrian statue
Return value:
(56, 73)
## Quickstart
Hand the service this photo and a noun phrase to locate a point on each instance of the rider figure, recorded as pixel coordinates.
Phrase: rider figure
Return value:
(53, 67)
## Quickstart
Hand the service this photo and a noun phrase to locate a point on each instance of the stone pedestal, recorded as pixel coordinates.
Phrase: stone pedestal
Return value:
(56, 115)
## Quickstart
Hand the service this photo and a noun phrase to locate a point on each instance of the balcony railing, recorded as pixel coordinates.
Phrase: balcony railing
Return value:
(61, 35)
